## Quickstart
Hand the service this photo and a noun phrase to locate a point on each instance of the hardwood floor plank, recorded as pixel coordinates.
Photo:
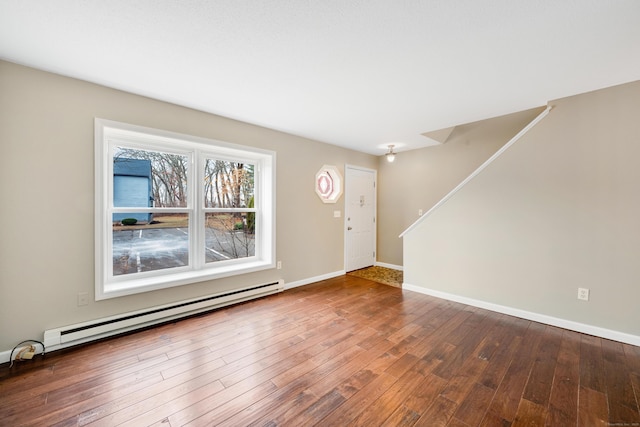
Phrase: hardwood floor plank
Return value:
(632, 357)
(403, 364)
(493, 420)
(70, 395)
(448, 320)
(463, 380)
(623, 406)
(592, 407)
(195, 407)
(295, 397)
(188, 362)
(230, 407)
(508, 395)
(454, 422)
(507, 342)
(404, 332)
(401, 417)
(319, 410)
(343, 414)
(592, 373)
(326, 358)
(238, 365)
(22, 393)
(425, 394)
(460, 333)
(439, 352)
(473, 408)
(529, 414)
(379, 360)
(492, 338)
(267, 421)
(143, 400)
(301, 349)
(291, 398)
(563, 401)
(71, 410)
(380, 409)
(160, 405)
(466, 344)
(355, 371)
(438, 414)
(541, 377)
(344, 351)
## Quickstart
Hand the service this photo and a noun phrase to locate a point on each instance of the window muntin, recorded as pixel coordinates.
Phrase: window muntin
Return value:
(207, 211)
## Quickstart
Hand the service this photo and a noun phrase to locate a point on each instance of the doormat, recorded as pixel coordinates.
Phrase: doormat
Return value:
(386, 276)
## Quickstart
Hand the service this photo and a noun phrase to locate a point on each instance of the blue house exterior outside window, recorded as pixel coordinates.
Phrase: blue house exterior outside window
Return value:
(132, 187)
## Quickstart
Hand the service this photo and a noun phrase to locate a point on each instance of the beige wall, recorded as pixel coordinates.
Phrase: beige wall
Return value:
(47, 199)
(418, 179)
(558, 210)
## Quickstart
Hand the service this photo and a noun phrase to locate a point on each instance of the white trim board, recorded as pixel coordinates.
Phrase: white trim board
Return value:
(291, 285)
(392, 266)
(6, 355)
(529, 315)
(480, 169)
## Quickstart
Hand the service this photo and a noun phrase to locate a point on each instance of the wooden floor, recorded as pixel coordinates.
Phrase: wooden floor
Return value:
(346, 351)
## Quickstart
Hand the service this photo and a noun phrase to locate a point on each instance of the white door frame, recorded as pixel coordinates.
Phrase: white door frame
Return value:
(347, 193)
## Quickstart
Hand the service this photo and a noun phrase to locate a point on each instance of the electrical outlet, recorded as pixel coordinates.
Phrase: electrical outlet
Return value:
(279, 265)
(583, 294)
(337, 214)
(83, 298)
(419, 212)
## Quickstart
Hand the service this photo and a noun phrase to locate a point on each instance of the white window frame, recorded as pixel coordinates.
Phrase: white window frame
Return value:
(109, 134)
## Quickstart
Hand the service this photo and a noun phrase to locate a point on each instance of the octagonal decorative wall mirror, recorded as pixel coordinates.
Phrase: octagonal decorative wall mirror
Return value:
(329, 184)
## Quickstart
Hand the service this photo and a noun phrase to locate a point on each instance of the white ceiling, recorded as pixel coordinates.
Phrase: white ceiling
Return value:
(356, 73)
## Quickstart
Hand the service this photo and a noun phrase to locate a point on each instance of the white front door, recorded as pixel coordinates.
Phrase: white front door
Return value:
(360, 217)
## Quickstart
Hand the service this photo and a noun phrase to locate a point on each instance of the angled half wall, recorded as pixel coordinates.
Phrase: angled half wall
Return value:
(557, 211)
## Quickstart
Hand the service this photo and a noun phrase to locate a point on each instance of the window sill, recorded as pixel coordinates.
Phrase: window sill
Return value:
(131, 287)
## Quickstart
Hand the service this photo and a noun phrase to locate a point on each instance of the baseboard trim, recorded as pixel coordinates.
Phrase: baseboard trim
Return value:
(392, 266)
(529, 315)
(291, 285)
(5, 356)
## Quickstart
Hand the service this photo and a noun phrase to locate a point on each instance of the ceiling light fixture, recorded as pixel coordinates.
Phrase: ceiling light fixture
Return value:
(391, 156)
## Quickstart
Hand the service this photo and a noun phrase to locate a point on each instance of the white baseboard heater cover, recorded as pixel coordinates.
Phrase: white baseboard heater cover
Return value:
(89, 331)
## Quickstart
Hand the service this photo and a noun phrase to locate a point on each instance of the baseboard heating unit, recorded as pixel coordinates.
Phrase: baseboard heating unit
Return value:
(89, 331)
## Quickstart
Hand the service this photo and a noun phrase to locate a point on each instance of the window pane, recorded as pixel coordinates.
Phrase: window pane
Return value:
(149, 178)
(229, 236)
(156, 245)
(228, 184)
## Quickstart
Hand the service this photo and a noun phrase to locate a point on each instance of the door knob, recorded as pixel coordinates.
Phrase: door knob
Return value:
(348, 228)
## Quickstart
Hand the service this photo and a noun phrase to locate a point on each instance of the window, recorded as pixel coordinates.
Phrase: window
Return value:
(173, 209)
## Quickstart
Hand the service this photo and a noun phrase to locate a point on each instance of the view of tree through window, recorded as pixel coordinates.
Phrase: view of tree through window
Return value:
(229, 202)
(227, 184)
